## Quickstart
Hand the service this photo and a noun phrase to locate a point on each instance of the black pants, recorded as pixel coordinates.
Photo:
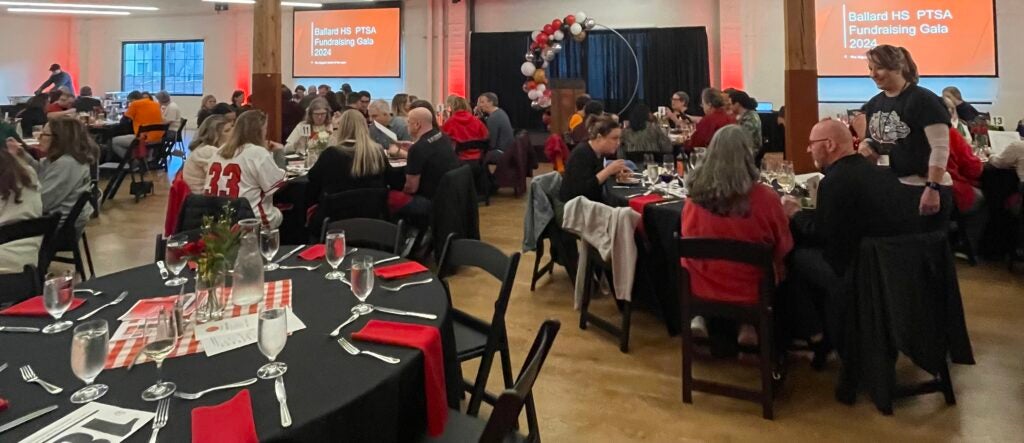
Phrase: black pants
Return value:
(808, 301)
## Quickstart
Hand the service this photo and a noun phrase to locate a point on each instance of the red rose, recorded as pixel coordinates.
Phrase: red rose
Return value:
(194, 249)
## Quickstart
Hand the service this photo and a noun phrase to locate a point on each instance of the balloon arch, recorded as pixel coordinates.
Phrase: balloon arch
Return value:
(548, 42)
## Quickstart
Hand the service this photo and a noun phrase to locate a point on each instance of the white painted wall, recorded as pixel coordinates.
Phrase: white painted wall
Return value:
(28, 45)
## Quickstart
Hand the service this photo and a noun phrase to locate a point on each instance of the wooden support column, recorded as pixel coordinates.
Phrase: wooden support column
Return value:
(266, 63)
(801, 82)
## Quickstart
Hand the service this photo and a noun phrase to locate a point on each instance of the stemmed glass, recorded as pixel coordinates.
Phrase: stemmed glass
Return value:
(668, 168)
(770, 167)
(362, 282)
(58, 293)
(89, 346)
(161, 338)
(785, 177)
(175, 259)
(273, 334)
(270, 242)
(335, 245)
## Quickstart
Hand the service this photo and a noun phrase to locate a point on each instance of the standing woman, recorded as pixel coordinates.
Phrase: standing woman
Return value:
(237, 100)
(244, 168)
(206, 109)
(910, 124)
(213, 133)
(745, 109)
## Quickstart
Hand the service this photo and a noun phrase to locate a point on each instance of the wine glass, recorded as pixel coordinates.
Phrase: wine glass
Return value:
(335, 245)
(770, 168)
(273, 333)
(667, 169)
(89, 346)
(786, 178)
(362, 280)
(161, 338)
(175, 259)
(270, 242)
(58, 293)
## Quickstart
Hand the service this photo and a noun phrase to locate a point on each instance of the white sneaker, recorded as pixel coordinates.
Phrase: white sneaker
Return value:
(698, 328)
(747, 335)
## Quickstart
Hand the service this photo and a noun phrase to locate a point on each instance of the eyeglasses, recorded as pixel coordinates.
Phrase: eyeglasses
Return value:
(319, 114)
(676, 99)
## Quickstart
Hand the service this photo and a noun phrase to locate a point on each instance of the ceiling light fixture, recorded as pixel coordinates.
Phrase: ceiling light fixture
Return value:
(79, 6)
(67, 11)
(251, 2)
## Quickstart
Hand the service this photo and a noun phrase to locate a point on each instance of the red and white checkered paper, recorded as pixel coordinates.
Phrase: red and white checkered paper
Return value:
(278, 294)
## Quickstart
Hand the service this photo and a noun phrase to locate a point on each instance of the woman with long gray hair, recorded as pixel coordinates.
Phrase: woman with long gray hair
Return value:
(727, 202)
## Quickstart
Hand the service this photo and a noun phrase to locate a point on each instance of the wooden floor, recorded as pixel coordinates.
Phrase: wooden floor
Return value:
(590, 392)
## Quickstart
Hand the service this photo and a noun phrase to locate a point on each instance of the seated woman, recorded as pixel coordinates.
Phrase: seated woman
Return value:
(585, 171)
(313, 131)
(213, 133)
(467, 132)
(353, 161)
(19, 200)
(206, 108)
(727, 202)
(964, 168)
(745, 109)
(34, 114)
(64, 172)
(643, 137)
(244, 168)
(581, 132)
(715, 117)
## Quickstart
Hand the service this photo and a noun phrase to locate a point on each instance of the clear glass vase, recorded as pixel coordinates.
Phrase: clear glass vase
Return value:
(210, 280)
(247, 276)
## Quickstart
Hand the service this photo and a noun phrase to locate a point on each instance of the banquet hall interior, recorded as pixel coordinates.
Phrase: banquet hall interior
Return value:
(511, 220)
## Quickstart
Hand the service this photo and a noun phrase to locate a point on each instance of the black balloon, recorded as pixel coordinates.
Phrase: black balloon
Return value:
(538, 62)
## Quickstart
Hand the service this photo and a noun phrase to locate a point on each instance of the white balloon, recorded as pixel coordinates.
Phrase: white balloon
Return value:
(545, 65)
(533, 35)
(534, 94)
(528, 69)
(581, 17)
(576, 28)
(558, 35)
(541, 88)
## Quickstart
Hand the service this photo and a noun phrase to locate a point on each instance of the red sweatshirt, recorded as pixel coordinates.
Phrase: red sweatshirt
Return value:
(707, 127)
(965, 168)
(735, 282)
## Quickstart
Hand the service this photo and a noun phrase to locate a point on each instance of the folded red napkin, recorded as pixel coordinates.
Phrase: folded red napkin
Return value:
(400, 270)
(428, 340)
(33, 307)
(312, 253)
(638, 203)
(228, 422)
(4, 404)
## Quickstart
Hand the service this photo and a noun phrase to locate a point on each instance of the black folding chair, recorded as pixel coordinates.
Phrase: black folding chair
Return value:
(501, 426)
(761, 315)
(68, 239)
(475, 338)
(595, 266)
(194, 208)
(129, 165)
(369, 233)
(19, 286)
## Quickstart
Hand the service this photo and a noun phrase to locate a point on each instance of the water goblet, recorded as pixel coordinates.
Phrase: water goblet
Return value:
(89, 346)
(175, 259)
(335, 254)
(273, 334)
(270, 242)
(161, 339)
(58, 293)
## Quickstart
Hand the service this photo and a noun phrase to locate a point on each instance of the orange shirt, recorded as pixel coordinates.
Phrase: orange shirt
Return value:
(143, 113)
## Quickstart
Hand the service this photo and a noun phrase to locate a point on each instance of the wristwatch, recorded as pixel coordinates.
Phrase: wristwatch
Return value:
(932, 185)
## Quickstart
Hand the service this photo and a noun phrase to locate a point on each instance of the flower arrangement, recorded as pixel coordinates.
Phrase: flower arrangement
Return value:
(216, 247)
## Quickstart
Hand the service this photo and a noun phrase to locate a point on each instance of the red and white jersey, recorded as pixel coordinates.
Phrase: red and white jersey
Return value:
(251, 174)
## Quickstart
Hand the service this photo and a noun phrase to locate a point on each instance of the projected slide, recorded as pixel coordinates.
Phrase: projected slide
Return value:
(945, 37)
(347, 43)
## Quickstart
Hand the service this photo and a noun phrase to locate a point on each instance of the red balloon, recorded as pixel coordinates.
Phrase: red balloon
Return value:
(531, 84)
(556, 23)
(548, 30)
(547, 93)
(569, 20)
(542, 39)
(534, 45)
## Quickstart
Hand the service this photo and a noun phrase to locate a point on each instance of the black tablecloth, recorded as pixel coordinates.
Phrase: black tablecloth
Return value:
(656, 266)
(333, 396)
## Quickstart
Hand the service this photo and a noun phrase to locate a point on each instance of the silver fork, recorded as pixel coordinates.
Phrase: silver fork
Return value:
(308, 268)
(351, 349)
(88, 291)
(405, 285)
(190, 396)
(30, 376)
(117, 300)
(160, 420)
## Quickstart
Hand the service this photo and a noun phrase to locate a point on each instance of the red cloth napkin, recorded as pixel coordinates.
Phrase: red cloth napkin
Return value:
(638, 203)
(400, 270)
(313, 253)
(228, 422)
(4, 404)
(428, 340)
(33, 307)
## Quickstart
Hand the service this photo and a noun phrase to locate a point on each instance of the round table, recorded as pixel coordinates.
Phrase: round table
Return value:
(332, 395)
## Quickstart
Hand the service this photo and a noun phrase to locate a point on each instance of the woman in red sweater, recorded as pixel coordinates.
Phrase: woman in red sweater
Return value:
(964, 168)
(727, 202)
(466, 131)
(714, 119)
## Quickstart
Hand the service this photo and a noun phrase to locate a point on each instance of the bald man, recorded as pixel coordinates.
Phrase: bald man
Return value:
(430, 157)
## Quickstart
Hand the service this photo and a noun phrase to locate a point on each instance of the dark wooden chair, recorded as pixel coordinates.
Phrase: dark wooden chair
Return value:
(133, 163)
(557, 245)
(959, 236)
(19, 286)
(369, 233)
(67, 239)
(476, 338)
(501, 426)
(760, 315)
(193, 209)
(596, 266)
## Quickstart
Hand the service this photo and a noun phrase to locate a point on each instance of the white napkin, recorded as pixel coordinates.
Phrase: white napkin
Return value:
(386, 131)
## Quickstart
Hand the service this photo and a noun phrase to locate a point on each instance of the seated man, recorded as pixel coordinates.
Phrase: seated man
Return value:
(142, 112)
(1011, 157)
(430, 158)
(380, 113)
(85, 101)
(856, 199)
(62, 106)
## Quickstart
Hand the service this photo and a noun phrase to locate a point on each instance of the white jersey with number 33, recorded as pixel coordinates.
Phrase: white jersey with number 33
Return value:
(251, 174)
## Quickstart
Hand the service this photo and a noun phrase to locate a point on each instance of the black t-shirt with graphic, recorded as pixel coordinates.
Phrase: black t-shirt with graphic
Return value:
(897, 124)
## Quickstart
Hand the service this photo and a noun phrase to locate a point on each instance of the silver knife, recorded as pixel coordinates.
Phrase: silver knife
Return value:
(117, 300)
(282, 398)
(18, 329)
(2, 367)
(406, 313)
(28, 417)
(163, 269)
(285, 257)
